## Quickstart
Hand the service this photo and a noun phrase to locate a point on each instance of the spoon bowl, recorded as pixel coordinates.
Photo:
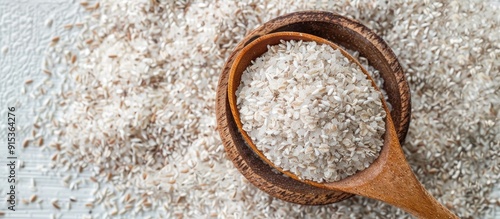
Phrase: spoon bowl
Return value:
(255, 49)
(389, 178)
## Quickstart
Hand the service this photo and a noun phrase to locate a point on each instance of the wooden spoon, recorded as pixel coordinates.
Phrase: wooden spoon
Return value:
(389, 178)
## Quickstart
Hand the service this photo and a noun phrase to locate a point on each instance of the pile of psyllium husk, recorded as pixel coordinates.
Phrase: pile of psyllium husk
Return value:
(311, 111)
(136, 104)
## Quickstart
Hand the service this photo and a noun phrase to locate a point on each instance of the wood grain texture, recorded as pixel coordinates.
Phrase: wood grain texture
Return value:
(391, 180)
(342, 31)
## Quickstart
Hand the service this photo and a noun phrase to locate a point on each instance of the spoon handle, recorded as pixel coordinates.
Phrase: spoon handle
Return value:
(396, 184)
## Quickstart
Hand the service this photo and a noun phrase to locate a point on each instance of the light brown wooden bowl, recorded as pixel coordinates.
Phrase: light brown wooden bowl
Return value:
(342, 31)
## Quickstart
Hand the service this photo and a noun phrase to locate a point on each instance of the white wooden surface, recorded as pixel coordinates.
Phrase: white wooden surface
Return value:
(23, 32)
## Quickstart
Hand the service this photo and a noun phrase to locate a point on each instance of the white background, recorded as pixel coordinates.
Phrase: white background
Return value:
(23, 31)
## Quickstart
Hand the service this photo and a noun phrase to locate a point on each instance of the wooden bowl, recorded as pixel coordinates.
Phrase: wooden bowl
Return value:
(344, 32)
